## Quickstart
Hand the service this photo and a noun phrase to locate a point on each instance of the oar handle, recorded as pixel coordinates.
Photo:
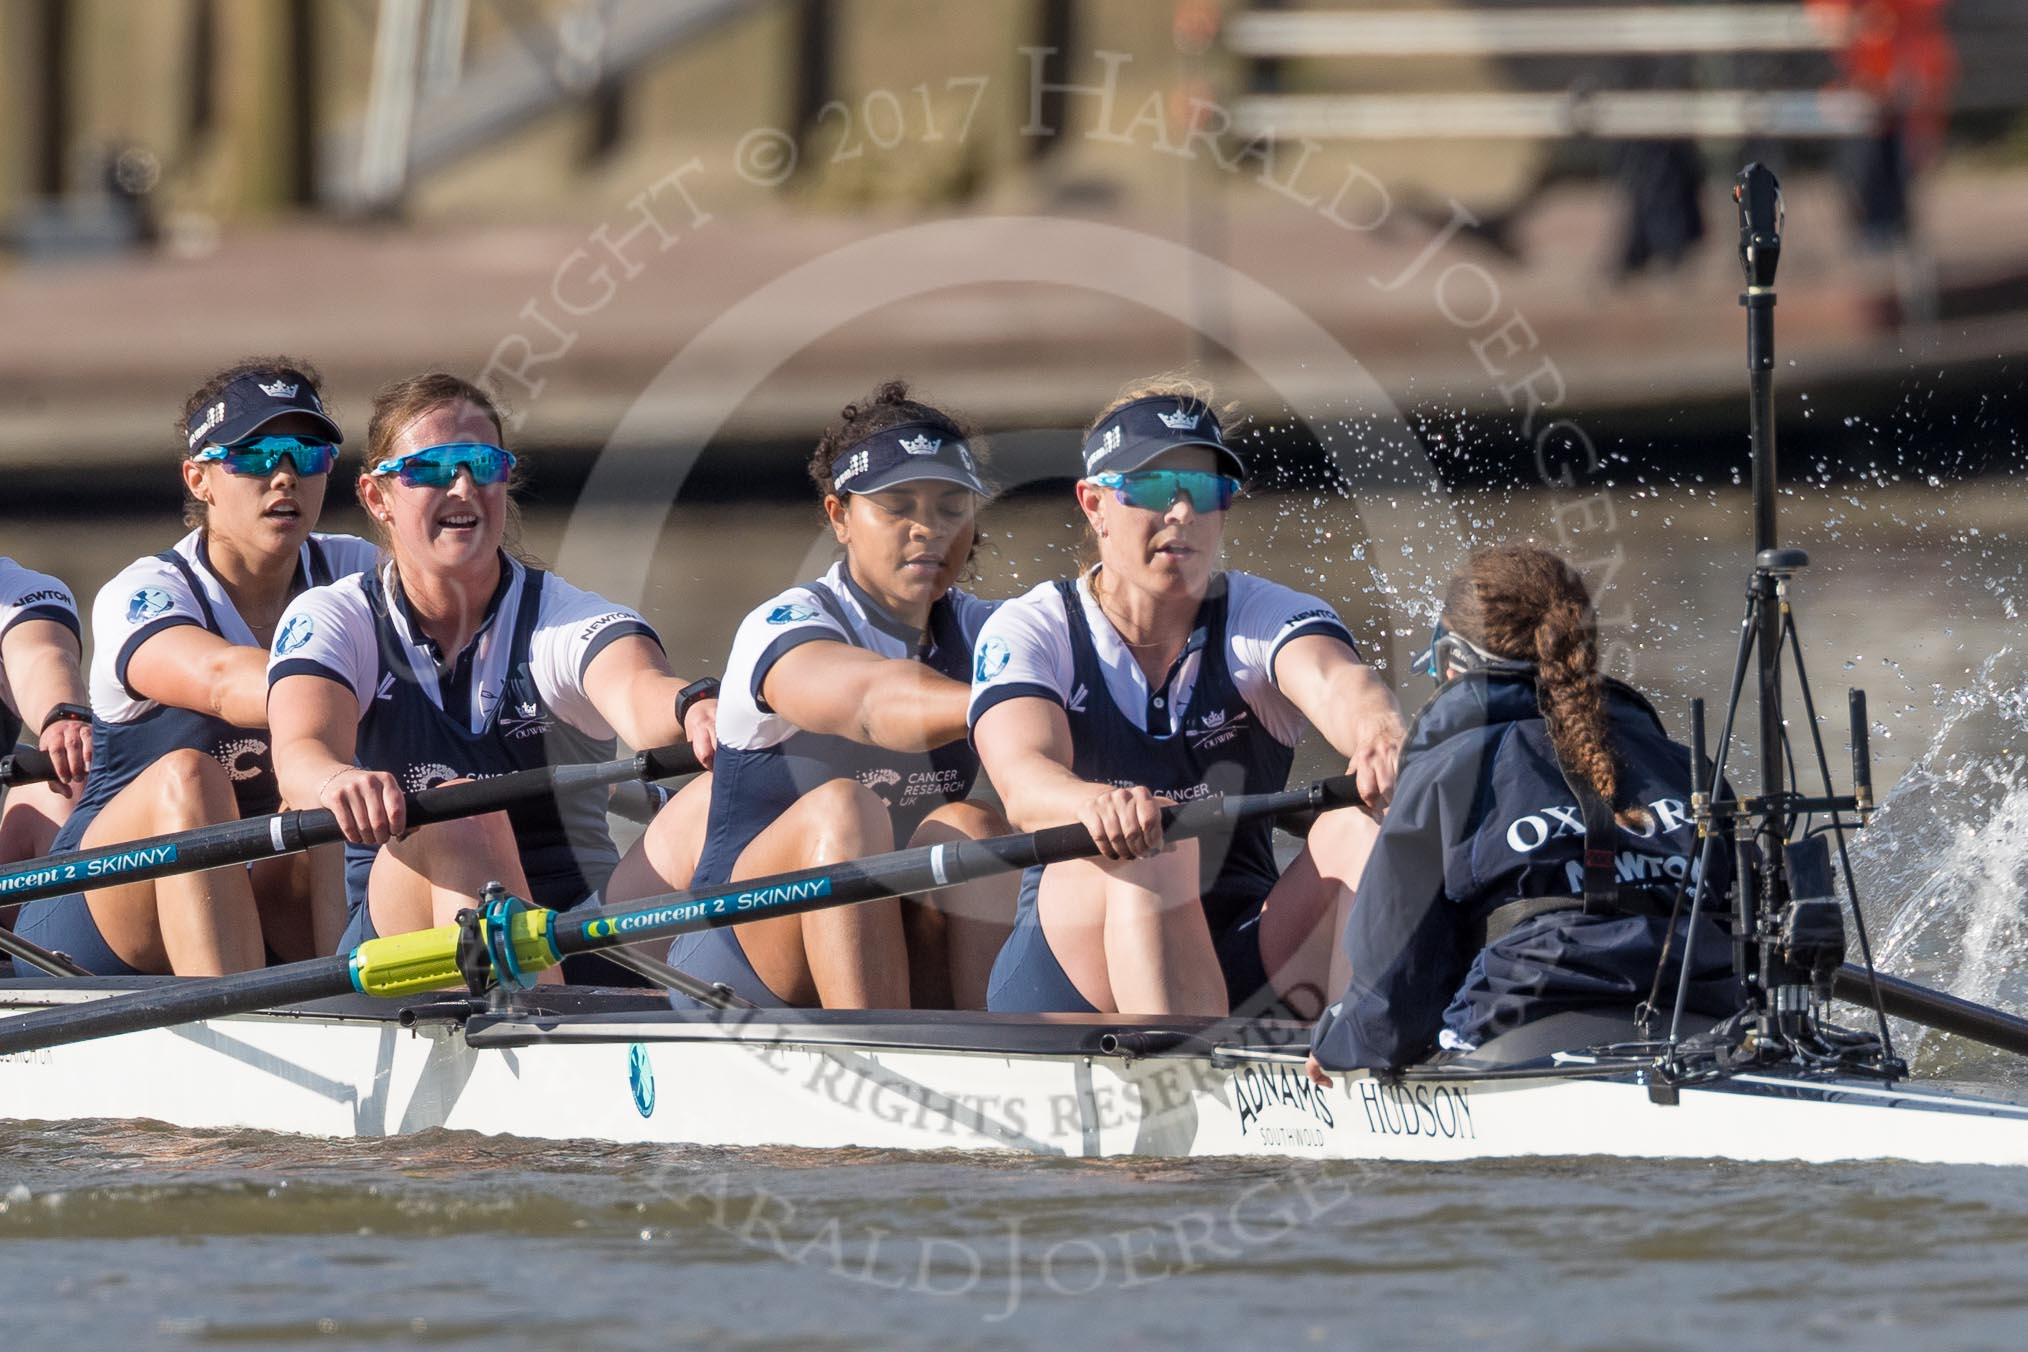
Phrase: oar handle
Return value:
(1054, 844)
(25, 765)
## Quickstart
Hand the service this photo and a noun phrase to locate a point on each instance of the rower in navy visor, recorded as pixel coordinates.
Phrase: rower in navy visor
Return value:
(1156, 676)
(842, 730)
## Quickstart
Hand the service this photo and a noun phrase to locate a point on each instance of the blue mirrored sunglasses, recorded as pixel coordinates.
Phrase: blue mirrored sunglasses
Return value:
(1156, 490)
(438, 466)
(257, 457)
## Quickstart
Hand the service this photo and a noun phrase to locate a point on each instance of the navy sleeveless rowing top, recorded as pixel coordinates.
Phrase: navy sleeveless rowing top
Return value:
(1218, 748)
(564, 846)
(765, 763)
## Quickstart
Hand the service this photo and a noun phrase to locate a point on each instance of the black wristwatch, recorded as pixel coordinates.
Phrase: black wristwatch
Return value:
(703, 688)
(66, 713)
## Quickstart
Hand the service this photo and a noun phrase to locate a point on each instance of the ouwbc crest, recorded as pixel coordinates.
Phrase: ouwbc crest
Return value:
(922, 444)
(280, 390)
(1181, 420)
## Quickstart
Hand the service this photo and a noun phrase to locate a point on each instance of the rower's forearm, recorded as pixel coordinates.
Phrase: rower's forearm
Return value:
(1041, 793)
(913, 709)
(1358, 710)
(238, 679)
(649, 718)
(303, 767)
(48, 678)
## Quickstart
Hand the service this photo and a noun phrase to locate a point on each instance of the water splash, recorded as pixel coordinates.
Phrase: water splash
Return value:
(1944, 867)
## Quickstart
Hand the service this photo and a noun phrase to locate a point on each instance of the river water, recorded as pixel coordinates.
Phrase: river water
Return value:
(154, 1237)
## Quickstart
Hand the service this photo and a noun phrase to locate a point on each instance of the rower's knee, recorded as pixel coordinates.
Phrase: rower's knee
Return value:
(967, 820)
(846, 819)
(190, 789)
(461, 841)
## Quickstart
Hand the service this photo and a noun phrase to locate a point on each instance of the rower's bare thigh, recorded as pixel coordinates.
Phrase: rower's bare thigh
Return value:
(1301, 919)
(836, 820)
(183, 790)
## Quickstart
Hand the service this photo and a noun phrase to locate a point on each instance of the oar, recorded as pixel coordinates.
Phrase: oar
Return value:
(288, 832)
(1933, 1009)
(408, 964)
(25, 765)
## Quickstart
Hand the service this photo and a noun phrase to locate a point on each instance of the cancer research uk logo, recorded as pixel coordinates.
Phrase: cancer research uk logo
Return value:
(992, 660)
(792, 612)
(294, 635)
(146, 604)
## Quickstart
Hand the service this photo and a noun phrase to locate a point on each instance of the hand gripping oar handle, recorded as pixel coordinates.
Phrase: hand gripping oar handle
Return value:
(1933, 1009)
(288, 832)
(405, 964)
(25, 765)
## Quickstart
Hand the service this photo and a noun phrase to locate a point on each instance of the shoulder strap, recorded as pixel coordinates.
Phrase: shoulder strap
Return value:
(318, 571)
(379, 605)
(182, 565)
(1601, 879)
(836, 610)
(944, 635)
(520, 677)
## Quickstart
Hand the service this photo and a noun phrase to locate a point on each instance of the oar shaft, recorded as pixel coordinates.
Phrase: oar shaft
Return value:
(1933, 1008)
(289, 832)
(904, 872)
(175, 1002)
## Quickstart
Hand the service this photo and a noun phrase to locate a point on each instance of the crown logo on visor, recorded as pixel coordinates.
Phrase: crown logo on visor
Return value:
(1180, 421)
(278, 390)
(922, 444)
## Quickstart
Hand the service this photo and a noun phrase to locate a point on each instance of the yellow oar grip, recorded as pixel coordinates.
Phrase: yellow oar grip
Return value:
(427, 960)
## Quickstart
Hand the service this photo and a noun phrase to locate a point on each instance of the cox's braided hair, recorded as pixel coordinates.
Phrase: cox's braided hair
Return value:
(1524, 603)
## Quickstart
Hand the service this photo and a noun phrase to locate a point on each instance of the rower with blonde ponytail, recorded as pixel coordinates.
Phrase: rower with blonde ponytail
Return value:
(1480, 929)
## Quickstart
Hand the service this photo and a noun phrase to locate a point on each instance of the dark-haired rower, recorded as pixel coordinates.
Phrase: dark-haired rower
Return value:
(842, 730)
(179, 691)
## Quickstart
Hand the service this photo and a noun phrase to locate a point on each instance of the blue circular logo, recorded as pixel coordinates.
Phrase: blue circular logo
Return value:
(146, 604)
(294, 635)
(641, 1076)
(993, 656)
(791, 612)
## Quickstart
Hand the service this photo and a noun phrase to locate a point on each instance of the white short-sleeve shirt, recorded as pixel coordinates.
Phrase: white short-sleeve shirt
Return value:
(329, 631)
(1025, 650)
(154, 593)
(829, 609)
(28, 595)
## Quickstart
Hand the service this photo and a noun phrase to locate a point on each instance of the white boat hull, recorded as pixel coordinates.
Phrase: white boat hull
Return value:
(653, 1078)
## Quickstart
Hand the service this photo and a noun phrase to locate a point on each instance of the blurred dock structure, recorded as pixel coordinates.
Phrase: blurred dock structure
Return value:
(384, 185)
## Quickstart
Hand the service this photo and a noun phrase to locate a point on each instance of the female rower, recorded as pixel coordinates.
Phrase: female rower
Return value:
(1156, 677)
(454, 660)
(1482, 910)
(179, 691)
(41, 687)
(844, 730)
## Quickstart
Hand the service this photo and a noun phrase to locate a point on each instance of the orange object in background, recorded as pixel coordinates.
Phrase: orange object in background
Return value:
(1900, 52)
